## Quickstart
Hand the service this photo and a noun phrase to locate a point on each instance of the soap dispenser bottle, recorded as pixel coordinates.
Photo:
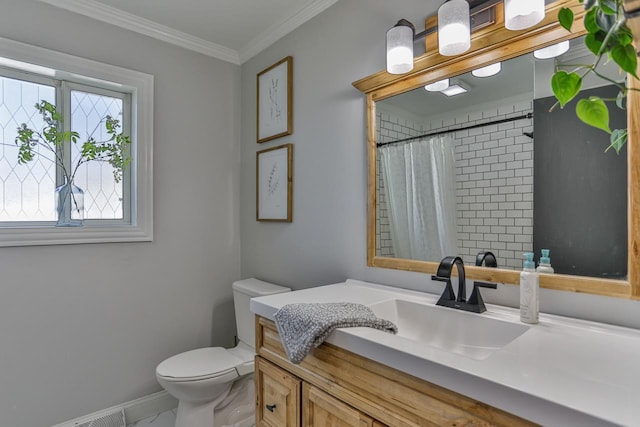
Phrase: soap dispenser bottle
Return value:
(529, 287)
(545, 263)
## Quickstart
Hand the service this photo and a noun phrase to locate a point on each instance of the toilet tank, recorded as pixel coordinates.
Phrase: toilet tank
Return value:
(243, 291)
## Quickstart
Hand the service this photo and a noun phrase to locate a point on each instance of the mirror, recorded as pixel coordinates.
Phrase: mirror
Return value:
(492, 169)
(388, 94)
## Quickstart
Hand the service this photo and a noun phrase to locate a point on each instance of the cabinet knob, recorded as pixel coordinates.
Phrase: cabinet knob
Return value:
(271, 407)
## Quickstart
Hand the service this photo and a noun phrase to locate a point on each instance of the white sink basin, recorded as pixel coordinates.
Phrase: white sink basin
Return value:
(468, 334)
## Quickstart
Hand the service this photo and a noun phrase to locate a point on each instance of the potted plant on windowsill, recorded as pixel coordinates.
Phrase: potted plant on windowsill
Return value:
(69, 197)
(608, 37)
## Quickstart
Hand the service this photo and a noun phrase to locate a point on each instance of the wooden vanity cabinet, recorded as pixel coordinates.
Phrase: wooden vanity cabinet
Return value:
(283, 400)
(320, 409)
(334, 387)
(277, 396)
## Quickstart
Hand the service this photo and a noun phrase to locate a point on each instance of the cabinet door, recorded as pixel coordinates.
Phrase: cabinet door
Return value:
(320, 409)
(277, 396)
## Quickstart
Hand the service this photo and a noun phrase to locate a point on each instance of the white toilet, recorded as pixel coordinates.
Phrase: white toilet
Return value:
(214, 386)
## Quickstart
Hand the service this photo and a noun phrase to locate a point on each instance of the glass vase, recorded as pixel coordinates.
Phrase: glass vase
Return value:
(69, 205)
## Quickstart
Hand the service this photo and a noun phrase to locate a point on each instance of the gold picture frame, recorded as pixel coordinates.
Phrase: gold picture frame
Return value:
(275, 101)
(274, 184)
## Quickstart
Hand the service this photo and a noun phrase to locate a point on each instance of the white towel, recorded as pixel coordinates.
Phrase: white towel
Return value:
(303, 327)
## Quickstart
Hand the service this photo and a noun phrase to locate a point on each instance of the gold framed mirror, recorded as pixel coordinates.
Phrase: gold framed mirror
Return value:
(490, 45)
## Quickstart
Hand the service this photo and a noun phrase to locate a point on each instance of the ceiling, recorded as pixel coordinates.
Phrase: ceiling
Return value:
(516, 79)
(231, 30)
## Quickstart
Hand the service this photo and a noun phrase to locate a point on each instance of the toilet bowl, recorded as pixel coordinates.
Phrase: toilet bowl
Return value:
(214, 385)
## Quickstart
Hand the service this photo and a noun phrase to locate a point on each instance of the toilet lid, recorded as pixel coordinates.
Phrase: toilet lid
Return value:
(203, 362)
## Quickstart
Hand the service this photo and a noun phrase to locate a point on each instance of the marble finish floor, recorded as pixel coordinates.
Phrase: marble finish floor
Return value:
(163, 419)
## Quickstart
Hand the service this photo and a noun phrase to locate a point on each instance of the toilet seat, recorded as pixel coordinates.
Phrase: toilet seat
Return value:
(200, 364)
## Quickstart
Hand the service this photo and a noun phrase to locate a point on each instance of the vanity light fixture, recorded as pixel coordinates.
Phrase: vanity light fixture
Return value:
(488, 71)
(454, 28)
(454, 90)
(400, 47)
(455, 24)
(521, 14)
(552, 51)
(438, 86)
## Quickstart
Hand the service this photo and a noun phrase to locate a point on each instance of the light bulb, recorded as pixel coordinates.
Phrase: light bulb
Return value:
(454, 33)
(552, 51)
(437, 86)
(488, 71)
(400, 49)
(521, 14)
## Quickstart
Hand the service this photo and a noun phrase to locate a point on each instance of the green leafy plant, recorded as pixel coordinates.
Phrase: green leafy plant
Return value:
(608, 37)
(51, 138)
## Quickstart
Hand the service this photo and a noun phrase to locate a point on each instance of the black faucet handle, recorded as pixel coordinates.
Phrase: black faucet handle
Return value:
(440, 279)
(484, 285)
(476, 300)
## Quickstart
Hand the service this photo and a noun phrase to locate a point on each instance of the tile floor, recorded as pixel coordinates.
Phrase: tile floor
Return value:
(163, 419)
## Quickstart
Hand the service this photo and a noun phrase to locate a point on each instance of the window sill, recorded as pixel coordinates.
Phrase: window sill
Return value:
(51, 235)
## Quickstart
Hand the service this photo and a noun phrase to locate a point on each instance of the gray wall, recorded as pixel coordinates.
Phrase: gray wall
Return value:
(327, 240)
(82, 327)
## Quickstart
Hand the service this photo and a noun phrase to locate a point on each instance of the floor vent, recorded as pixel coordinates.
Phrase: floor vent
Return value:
(112, 419)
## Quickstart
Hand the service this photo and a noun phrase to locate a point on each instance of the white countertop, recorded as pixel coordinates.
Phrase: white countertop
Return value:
(561, 372)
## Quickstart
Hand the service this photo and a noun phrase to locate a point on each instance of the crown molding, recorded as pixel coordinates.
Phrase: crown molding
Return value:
(111, 15)
(128, 21)
(281, 29)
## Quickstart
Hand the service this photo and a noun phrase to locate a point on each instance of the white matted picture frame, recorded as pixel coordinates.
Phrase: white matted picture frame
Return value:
(275, 101)
(274, 184)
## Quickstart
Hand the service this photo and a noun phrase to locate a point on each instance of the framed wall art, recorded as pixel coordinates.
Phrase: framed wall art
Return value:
(275, 101)
(274, 184)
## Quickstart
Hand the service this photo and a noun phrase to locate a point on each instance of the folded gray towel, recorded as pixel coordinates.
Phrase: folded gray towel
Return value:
(303, 327)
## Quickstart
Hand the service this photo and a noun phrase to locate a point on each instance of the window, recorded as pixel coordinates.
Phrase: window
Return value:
(103, 197)
(85, 92)
(27, 190)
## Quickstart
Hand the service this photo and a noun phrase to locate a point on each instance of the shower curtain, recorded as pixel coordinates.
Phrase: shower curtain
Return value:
(420, 187)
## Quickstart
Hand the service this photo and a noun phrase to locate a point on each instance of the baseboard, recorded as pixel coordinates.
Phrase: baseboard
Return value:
(134, 410)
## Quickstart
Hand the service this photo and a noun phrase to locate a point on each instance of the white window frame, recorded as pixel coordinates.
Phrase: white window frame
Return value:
(67, 88)
(61, 66)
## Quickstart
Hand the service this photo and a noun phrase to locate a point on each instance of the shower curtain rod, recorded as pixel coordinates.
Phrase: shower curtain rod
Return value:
(442, 132)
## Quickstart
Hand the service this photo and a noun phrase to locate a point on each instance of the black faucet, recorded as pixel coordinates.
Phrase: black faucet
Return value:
(448, 299)
(444, 275)
(487, 258)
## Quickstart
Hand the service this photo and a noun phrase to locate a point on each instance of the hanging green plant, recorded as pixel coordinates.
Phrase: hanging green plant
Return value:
(607, 37)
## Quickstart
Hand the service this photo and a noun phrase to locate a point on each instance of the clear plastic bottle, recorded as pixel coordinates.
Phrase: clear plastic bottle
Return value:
(529, 288)
(545, 263)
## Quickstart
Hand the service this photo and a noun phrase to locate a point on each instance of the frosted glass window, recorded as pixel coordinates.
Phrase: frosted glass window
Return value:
(103, 196)
(27, 190)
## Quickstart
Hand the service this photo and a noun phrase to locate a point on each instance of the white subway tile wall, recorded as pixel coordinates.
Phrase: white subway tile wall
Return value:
(494, 181)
